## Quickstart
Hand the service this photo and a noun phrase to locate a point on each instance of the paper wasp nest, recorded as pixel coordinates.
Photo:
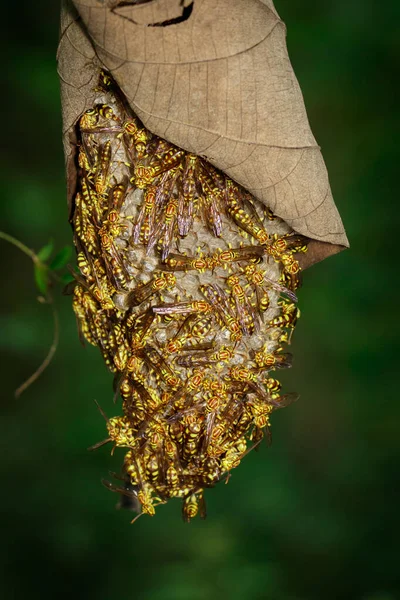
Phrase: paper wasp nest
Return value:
(187, 286)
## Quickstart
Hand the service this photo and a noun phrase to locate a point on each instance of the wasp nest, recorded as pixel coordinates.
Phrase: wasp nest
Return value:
(187, 286)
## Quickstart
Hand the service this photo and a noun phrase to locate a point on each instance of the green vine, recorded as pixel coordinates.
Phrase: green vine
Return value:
(46, 273)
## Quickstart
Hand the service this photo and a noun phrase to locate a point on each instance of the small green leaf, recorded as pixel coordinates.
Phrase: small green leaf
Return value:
(66, 278)
(41, 277)
(61, 258)
(45, 252)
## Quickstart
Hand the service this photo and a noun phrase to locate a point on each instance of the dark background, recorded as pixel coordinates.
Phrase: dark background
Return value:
(314, 517)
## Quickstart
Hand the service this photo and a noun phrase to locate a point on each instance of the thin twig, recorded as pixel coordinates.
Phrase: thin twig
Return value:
(48, 358)
(20, 245)
(48, 300)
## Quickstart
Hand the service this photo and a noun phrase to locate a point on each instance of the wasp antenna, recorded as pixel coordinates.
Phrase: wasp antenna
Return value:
(101, 411)
(99, 444)
(137, 517)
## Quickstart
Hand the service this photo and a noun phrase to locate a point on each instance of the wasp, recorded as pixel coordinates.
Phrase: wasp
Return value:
(172, 477)
(173, 468)
(261, 282)
(288, 317)
(288, 243)
(156, 362)
(261, 413)
(113, 224)
(105, 83)
(91, 200)
(291, 265)
(170, 218)
(128, 494)
(141, 139)
(84, 266)
(201, 327)
(179, 340)
(192, 386)
(87, 161)
(192, 327)
(193, 383)
(84, 307)
(145, 220)
(219, 301)
(88, 302)
(241, 210)
(139, 325)
(248, 318)
(182, 308)
(192, 434)
(291, 270)
(101, 178)
(272, 360)
(180, 262)
(244, 381)
(152, 470)
(241, 373)
(121, 357)
(157, 283)
(219, 440)
(197, 359)
(83, 225)
(167, 156)
(121, 432)
(214, 402)
(193, 504)
(210, 201)
(131, 127)
(106, 112)
(144, 175)
(145, 492)
(188, 195)
(244, 253)
(117, 196)
(112, 257)
(194, 355)
(234, 455)
(166, 214)
(89, 119)
(118, 274)
(102, 287)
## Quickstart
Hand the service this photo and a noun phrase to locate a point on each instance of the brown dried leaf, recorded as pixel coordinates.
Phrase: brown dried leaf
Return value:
(217, 82)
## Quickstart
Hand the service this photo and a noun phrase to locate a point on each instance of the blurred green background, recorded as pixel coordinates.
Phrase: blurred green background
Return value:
(315, 516)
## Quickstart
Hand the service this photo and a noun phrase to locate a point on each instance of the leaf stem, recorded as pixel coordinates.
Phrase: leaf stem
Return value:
(48, 299)
(20, 245)
(36, 260)
(48, 358)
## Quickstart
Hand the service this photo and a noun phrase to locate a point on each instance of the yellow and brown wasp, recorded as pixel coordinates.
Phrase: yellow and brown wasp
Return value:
(223, 258)
(216, 296)
(157, 283)
(262, 284)
(180, 262)
(188, 194)
(242, 211)
(272, 360)
(210, 200)
(248, 318)
(194, 503)
(156, 362)
(183, 308)
(145, 221)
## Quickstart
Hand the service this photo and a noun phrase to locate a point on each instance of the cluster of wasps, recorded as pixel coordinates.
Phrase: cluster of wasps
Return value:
(187, 286)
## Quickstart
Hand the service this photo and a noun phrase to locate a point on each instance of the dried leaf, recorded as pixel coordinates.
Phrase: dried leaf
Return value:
(216, 81)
